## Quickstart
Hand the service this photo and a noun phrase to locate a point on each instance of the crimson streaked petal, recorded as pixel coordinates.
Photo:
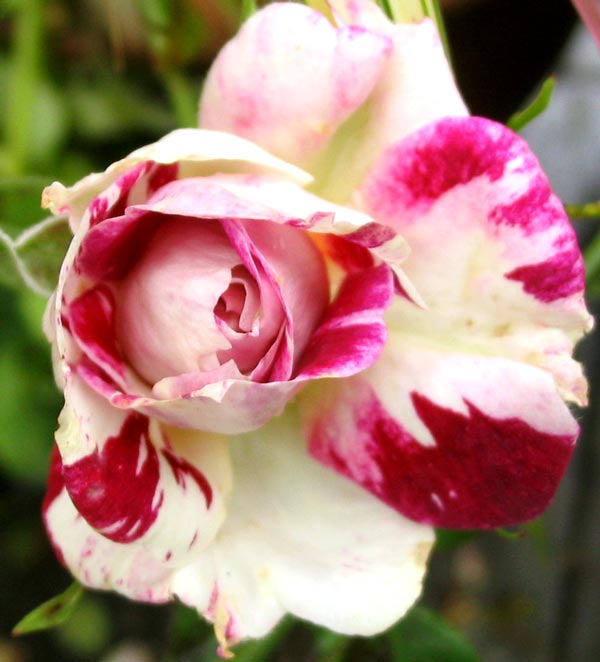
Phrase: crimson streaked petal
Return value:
(91, 320)
(352, 334)
(100, 563)
(450, 440)
(131, 478)
(476, 184)
(494, 255)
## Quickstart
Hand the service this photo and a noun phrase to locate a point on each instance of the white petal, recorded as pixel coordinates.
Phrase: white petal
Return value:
(300, 539)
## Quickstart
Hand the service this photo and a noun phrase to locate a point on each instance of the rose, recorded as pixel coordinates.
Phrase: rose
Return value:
(445, 402)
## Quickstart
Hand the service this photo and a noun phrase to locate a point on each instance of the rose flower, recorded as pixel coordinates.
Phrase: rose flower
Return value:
(276, 383)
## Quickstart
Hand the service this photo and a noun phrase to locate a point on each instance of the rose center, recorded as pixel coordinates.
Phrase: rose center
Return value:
(239, 305)
(191, 304)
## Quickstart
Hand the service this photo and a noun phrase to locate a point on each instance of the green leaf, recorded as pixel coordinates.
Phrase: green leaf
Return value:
(591, 256)
(9, 263)
(535, 108)
(507, 534)
(51, 613)
(424, 636)
(35, 256)
(20, 202)
(41, 250)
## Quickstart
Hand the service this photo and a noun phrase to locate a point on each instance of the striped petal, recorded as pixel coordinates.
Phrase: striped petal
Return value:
(136, 482)
(329, 99)
(493, 253)
(448, 439)
(188, 152)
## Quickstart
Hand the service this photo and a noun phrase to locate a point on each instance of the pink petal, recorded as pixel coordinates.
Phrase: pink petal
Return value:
(356, 231)
(91, 320)
(352, 334)
(493, 253)
(188, 152)
(289, 79)
(449, 440)
(165, 305)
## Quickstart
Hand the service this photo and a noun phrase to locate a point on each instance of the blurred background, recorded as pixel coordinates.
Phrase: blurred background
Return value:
(84, 82)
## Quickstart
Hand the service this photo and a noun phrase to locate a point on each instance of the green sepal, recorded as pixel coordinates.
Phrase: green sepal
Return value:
(451, 539)
(51, 613)
(587, 210)
(509, 534)
(539, 104)
(591, 257)
(35, 256)
(248, 8)
(424, 636)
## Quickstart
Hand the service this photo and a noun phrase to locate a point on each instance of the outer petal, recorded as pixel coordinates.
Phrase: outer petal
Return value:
(289, 79)
(334, 103)
(493, 253)
(282, 548)
(415, 88)
(138, 483)
(450, 440)
(94, 560)
(196, 152)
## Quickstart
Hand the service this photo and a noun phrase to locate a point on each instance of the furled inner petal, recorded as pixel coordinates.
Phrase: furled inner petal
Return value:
(165, 321)
(238, 306)
(206, 292)
(250, 316)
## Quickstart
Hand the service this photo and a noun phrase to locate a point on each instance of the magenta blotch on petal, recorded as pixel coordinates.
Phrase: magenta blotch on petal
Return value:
(446, 446)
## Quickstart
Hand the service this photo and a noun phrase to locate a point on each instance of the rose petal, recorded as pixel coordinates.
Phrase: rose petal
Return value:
(289, 79)
(353, 333)
(300, 209)
(448, 439)
(493, 253)
(195, 151)
(96, 561)
(282, 548)
(132, 480)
